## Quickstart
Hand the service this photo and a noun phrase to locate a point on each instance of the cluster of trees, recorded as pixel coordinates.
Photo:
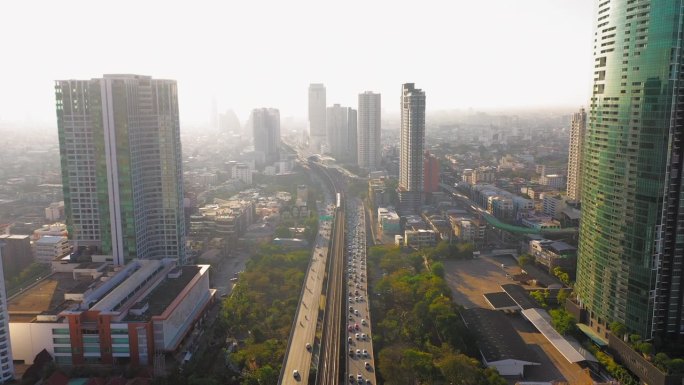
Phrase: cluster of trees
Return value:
(419, 335)
(260, 311)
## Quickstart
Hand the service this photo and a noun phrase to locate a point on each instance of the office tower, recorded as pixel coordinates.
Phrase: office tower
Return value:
(630, 247)
(411, 152)
(578, 127)
(6, 362)
(317, 120)
(266, 131)
(119, 139)
(368, 132)
(341, 133)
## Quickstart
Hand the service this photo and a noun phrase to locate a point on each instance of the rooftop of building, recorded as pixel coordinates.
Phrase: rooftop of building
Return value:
(500, 300)
(496, 337)
(50, 240)
(14, 236)
(46, 296)
(163, 295)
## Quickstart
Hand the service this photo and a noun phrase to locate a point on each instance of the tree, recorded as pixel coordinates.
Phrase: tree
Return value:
(459, 369)
(562, 296)
(561, 275)
(635, 339)
(645, 348)
(618, 328)
(540, 297)
(676, 366)
(562, 321)
(661, 360)
(438, 269)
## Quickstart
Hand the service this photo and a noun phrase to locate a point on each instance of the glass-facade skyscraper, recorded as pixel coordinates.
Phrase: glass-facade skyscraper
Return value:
(632, 228)
(120, 150)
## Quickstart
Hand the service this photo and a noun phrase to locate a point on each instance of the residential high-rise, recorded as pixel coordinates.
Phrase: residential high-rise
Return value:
(341, 133)
(630, 245)
(6, 362)
(317, 120)
(578, 128)
(431, 173)
(266, 132)
(368, 132)
(119, 139)
(411, 173)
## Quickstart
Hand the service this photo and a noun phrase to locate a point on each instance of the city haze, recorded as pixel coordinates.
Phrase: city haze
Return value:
(496, 54)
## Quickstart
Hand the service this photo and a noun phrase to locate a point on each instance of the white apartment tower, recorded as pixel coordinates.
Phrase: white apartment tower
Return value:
(411, 173)
(341, 133)
(578, 128)
(368, 132)
(119, 139)
(317, 120)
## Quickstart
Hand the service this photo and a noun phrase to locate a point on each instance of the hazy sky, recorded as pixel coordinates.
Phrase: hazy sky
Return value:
(247, 53)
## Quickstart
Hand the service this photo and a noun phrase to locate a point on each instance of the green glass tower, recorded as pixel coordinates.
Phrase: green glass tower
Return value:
(119, 139)
(632, 228)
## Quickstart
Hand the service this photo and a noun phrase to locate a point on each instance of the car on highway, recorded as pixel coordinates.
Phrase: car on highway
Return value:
(295, 374)
(358, 336)
(358, 352)
(356, 312)
(359, 377)
(367, 365)
(363, 336)
(351, 352)
(351, 378)
(363, 322)
(349, 339)
(308, 346)
(365, 353)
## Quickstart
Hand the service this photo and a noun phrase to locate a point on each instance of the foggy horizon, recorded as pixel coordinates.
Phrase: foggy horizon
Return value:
(486, 57)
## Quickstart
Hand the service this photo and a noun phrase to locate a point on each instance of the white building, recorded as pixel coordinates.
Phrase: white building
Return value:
(317, 120)
(55, 211)
(368, 131)
(419, 239)
(553, 180)
(49, 247)
(242, 172)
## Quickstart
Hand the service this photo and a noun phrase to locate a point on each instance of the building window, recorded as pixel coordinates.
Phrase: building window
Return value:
(65, 341)
(60, 331)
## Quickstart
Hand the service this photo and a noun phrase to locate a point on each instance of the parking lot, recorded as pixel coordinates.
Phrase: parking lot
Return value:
(470, 279)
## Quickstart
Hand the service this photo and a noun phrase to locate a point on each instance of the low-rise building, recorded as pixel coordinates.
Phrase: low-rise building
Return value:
(49, 247)
(99, 313)
(540, 223)
(419, 239)
(389, 222)
(556, 181)
(554, 254)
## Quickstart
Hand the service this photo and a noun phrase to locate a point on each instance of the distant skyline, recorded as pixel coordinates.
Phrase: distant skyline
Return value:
(497, 54)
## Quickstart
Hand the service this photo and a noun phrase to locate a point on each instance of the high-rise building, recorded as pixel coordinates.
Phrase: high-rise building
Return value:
(341, 133)
(119, 139)
(411, 172)
(578, 128)
(6, 362)
(630, 245)
(431, 173)
(368, 132)
(266, 132)
(317, 120)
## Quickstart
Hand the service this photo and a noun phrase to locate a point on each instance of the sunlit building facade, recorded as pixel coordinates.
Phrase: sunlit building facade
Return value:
(631, 248)
(369, 126)
(411, 172)
(119, 139)
(578, 128)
